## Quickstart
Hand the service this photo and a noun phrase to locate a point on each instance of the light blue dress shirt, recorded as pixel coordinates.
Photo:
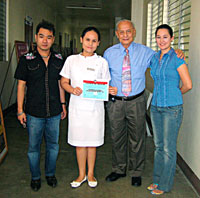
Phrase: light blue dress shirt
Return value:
(140, 57)
(166, 79)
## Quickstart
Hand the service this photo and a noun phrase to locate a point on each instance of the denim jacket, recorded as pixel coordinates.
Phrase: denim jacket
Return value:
(166, 79)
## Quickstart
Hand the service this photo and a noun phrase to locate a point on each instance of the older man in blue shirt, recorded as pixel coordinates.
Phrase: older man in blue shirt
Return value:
(127, 113)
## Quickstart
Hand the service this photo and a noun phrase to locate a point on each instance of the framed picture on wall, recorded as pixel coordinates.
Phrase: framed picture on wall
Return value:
(21, 48)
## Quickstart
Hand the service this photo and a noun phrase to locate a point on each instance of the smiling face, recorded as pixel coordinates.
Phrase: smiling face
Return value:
(125, 33)
(44, 39)
(164, 40)
(90, 42)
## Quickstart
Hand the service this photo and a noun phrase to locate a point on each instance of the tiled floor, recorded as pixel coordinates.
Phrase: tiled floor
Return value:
(15, 175)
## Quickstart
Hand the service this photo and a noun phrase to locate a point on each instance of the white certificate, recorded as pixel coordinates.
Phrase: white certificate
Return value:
(95, 90)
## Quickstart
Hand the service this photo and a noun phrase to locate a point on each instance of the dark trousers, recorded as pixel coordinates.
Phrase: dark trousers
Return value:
(127, 123)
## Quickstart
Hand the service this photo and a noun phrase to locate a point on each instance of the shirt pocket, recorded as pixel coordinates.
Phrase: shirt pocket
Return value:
(54, 70)
(57, 66)
(34, 70)
(33, 66)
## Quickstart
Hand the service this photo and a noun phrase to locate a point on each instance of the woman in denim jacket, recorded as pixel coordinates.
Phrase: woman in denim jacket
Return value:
(167, 108)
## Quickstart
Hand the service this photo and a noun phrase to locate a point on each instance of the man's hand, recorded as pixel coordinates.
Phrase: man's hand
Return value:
(180, 54)
(113, 90)
(20, 101)
(64, 112)
(22, 119)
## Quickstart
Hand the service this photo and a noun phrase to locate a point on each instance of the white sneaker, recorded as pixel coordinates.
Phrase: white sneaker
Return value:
(92, 184)
(75, 184)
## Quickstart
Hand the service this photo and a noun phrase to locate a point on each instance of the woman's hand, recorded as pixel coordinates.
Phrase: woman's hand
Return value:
(77, 91)
(112, 90)
(65, 83)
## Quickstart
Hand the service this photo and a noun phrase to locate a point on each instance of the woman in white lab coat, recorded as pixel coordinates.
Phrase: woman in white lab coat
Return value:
(86, 117)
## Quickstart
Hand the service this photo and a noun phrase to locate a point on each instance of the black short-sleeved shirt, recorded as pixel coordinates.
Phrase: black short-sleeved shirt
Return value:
(42, 95)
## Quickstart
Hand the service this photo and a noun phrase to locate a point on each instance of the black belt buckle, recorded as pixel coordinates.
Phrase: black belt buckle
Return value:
(125, 98)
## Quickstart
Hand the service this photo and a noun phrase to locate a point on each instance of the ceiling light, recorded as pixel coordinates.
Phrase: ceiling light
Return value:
(84, 7)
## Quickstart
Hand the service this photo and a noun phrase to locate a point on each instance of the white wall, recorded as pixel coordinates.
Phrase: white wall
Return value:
(137, 19)
(189, 137)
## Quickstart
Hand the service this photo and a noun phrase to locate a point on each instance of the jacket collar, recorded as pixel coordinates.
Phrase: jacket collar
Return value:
(169, 53)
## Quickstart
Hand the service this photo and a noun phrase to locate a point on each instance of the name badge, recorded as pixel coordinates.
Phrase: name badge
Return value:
(90, 69)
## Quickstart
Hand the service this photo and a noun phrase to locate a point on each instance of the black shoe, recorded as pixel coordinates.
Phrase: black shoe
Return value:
(35, 184)
(114, 176)
(51, 181)
(136, 181)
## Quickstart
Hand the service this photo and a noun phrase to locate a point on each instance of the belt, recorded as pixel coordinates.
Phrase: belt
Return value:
(125, 98)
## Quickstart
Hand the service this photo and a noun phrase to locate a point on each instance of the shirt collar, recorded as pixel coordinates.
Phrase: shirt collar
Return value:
(89, 57)
(170, 51)
(167, 54)
(35, 51)
(130, 48)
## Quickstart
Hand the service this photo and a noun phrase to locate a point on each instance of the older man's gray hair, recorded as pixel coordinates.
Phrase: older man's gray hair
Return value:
(124, 20)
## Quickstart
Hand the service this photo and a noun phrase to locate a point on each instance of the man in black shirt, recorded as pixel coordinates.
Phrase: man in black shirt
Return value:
(45, 102)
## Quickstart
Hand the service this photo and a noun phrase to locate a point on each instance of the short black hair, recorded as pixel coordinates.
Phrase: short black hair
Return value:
(165, 26)
(88, 29)
(46, 25)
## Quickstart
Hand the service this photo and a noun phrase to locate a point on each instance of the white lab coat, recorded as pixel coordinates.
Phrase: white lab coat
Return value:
(86, 117)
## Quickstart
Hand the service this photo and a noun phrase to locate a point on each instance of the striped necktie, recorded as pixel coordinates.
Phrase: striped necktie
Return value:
(126, 75)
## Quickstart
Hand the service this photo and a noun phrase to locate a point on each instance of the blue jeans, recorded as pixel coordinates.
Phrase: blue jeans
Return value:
(166, 122)
(37, 128)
